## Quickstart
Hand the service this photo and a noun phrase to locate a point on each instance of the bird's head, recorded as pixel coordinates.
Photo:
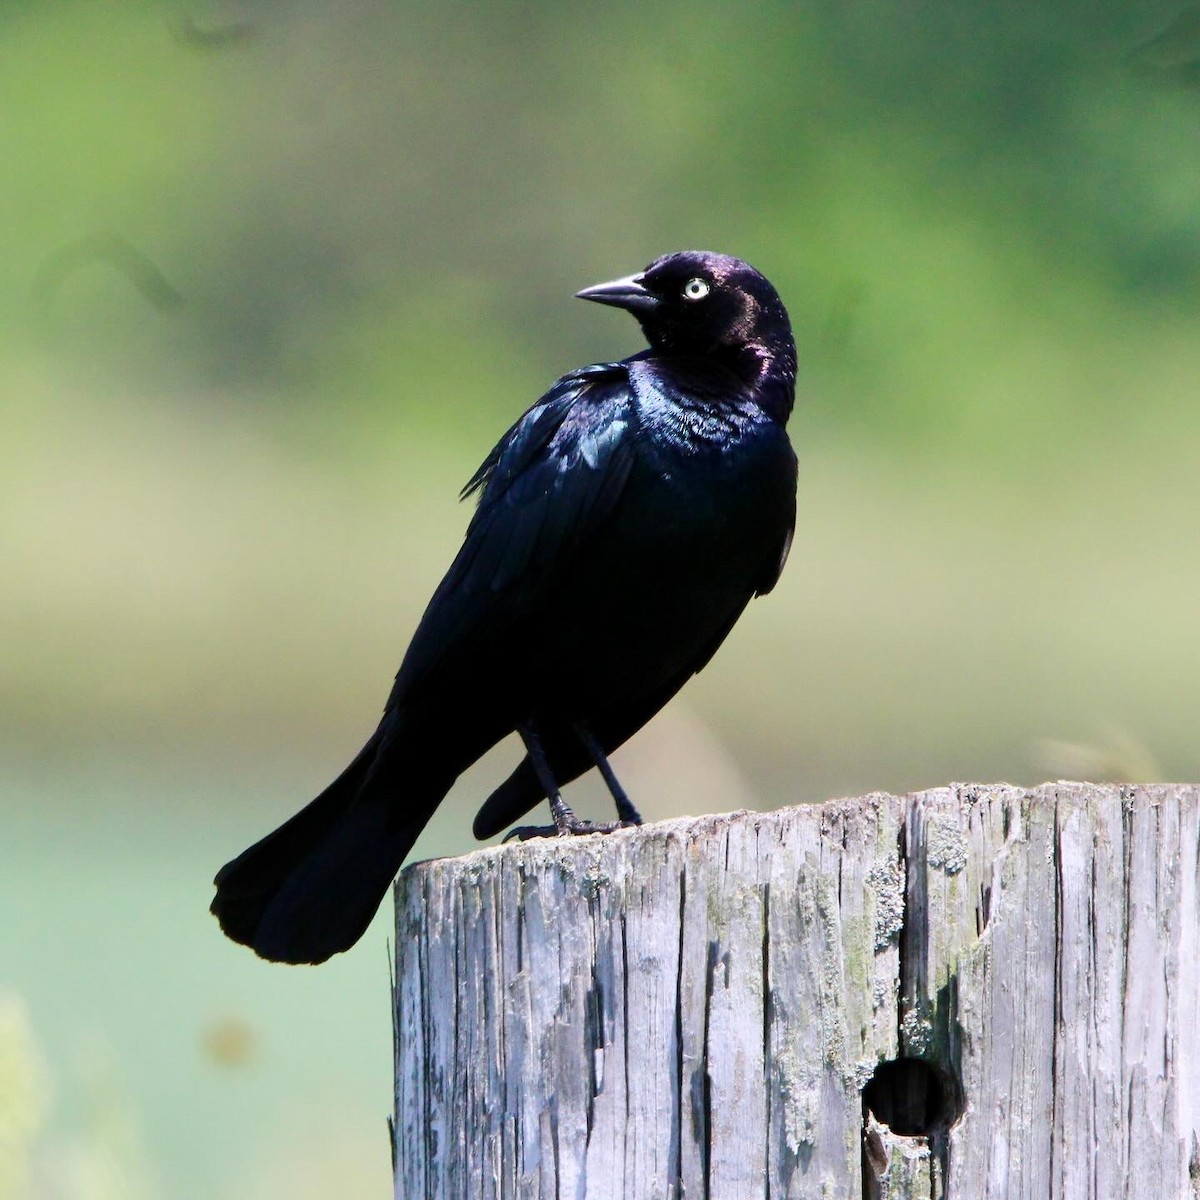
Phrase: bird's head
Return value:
(699, 303)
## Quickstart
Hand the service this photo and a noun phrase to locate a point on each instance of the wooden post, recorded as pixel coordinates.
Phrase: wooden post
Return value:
(967, 992)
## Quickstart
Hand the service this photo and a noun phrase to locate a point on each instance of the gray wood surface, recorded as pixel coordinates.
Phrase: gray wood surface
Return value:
(690, 1011)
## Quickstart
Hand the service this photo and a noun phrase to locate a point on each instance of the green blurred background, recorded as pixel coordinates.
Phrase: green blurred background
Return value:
(273, 278)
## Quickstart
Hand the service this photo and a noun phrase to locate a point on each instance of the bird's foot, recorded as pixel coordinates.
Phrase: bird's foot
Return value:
(572, 828)
(629, 816)
(567, 824)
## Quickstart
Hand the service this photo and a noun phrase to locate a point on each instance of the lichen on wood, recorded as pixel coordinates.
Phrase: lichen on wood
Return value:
(693, 1009)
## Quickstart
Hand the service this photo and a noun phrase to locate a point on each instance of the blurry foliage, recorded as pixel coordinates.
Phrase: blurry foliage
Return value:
(301, 280)
(380, 213)
(108, 250)
(230, 1042)
(102, 1161)
(24, 1097)
(1118, 758)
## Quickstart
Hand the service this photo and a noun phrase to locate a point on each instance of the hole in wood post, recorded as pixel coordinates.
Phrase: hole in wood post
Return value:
(912, 1097)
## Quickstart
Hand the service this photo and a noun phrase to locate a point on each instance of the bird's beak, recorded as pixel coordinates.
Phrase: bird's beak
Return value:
(622, 293)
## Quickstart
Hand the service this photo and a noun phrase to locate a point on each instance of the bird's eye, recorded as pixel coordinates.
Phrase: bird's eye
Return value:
(695, 289)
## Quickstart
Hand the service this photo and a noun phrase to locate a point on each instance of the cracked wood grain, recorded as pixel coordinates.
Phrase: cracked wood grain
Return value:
(690, 1011)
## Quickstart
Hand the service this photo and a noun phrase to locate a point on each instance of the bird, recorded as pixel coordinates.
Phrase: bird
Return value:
(622, 524)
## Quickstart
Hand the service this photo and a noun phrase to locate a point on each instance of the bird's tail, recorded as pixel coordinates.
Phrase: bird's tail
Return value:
(309, 889)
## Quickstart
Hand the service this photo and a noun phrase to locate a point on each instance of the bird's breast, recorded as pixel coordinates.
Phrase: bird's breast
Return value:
(649, 593)
(674, 564)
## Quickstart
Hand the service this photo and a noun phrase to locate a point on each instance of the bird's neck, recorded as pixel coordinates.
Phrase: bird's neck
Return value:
(765, 365)
(768, 369)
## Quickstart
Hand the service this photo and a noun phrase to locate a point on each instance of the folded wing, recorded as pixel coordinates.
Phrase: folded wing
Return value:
(554, 477)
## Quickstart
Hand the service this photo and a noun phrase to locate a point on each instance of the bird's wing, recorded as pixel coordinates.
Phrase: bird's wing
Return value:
(551, 480)
(772, 568)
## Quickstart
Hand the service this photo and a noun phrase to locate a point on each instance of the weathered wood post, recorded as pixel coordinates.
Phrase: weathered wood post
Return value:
(967, 992)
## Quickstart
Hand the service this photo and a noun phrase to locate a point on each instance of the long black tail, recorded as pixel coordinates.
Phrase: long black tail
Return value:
(310, 889)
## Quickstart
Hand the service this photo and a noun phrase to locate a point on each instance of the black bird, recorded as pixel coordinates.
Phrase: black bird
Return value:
(623, 524)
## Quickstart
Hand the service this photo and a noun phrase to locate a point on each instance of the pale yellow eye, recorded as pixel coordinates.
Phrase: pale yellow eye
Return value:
(695, 289)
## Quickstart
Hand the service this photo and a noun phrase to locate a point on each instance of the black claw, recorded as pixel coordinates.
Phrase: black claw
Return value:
(524, 833)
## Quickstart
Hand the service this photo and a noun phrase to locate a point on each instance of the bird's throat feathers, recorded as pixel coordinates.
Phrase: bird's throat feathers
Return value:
(766, 368)
(756, 347)
(770, 373)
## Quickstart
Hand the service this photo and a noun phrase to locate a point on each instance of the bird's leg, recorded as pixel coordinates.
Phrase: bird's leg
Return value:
(626, 812)
(560, 810)
(566, 823)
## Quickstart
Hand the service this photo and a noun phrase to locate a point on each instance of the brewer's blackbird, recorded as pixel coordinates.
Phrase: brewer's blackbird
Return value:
(623, 524)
